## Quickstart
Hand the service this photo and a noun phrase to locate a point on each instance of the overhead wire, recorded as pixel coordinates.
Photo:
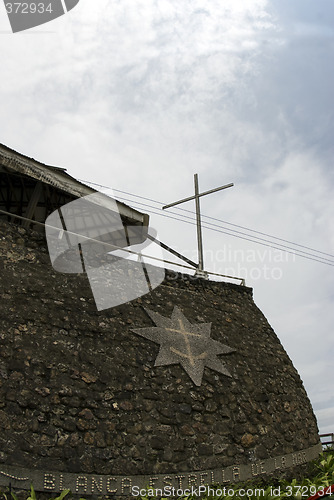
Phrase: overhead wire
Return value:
(215, 225)
(239, 234)
(283, 247)
(269, 244)
(231, 224)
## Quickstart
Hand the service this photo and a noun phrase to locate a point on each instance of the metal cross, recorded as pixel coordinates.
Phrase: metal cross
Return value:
(200, 269)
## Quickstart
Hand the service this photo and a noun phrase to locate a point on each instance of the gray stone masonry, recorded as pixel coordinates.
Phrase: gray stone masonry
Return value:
(80, 392)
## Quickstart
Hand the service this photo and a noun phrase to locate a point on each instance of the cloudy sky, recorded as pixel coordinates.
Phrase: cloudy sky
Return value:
(139, 96)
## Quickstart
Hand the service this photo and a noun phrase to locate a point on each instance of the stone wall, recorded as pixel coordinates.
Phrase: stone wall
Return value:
(80, 392)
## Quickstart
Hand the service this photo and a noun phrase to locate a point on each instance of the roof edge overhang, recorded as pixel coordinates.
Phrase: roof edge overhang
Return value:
(60, 179)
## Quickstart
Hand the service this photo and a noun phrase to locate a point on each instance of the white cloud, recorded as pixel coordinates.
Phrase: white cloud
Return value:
(139, 96)
(326, 417)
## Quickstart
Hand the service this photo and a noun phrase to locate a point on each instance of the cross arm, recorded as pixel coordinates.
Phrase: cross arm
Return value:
(198, 196)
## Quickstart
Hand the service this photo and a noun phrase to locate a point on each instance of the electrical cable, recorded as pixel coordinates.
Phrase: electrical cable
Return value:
(224, 222)
(235, 225)
(234, 230)
(248, 237)
(269, 244)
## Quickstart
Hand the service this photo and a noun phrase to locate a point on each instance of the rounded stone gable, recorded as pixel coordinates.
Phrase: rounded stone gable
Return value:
(188, 384)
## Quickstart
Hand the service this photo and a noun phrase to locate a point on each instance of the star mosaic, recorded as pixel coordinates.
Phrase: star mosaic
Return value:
(185, 343)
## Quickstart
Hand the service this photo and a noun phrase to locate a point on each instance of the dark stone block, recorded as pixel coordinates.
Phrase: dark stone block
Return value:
(205, 449)
(184, 408)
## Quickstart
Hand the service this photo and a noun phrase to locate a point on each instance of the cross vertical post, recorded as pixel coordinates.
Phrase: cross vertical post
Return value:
(200, 267)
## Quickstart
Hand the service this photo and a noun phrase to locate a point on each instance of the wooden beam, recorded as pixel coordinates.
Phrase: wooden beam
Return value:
(30, 212)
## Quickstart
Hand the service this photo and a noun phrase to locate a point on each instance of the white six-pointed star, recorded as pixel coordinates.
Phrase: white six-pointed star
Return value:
(185, 343)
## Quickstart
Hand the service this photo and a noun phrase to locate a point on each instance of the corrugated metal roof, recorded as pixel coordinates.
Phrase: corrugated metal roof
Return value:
(59, 178)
